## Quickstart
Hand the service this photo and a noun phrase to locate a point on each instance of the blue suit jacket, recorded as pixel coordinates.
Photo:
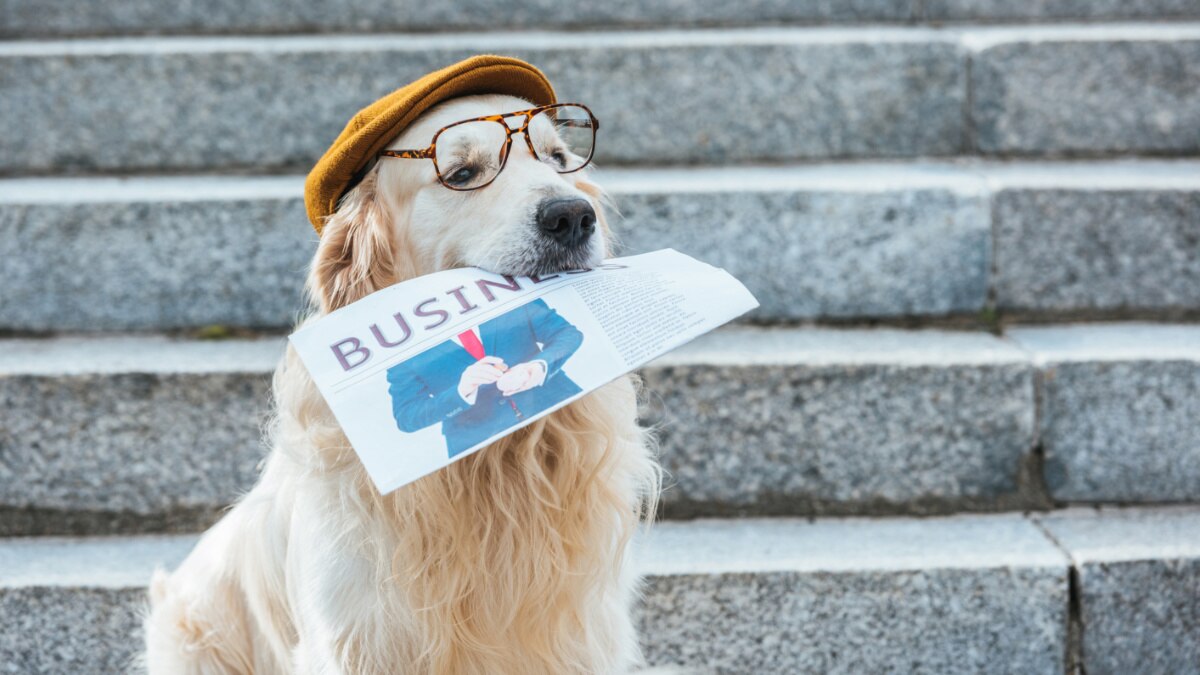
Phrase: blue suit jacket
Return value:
(424, 389)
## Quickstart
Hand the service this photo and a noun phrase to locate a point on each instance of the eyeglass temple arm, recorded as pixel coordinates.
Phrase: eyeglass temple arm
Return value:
(408, 154)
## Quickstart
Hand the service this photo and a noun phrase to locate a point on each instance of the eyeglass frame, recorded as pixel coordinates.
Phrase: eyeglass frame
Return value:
(430, 152)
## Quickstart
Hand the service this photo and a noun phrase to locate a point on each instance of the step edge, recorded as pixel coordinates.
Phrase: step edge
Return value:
(1107, 342)
(967, 177)
(976, 37)
(1126, 534)
(735, 345)
(125, 561)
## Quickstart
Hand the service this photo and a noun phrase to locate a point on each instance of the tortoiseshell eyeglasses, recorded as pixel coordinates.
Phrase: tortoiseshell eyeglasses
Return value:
(468, 155)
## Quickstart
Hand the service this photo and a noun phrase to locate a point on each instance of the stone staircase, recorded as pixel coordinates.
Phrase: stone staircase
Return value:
(959, 435)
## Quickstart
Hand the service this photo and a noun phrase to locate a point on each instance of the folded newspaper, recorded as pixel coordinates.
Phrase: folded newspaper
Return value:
(425, 372)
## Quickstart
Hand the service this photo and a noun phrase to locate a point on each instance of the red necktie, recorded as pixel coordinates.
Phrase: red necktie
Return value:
(471, 343)
(474, 347)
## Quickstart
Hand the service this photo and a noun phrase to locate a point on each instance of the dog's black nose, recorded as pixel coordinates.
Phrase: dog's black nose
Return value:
(568, 221)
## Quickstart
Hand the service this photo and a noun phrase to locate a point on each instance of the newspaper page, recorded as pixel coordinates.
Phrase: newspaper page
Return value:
(425, 372)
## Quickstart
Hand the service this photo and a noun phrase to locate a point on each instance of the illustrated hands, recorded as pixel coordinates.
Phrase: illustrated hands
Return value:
(521, 377)
(487, 370)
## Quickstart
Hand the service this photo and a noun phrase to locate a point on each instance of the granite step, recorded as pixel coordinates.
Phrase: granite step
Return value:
(142, 433)
(827, 242)
(962, 594)
(208, 103)
(150, 433)
(752, 94)
(27, 19)
(1057, 10)
(1114, 408)
(1110, 590)
(1136, 587)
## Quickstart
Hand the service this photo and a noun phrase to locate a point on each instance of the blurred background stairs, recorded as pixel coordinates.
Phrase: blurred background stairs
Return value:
(960, 435)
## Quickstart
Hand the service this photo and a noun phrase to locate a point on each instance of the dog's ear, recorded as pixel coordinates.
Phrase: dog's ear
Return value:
(603, 204)
(358, 253)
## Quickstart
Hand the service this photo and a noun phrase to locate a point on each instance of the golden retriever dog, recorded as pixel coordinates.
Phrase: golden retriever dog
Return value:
(511, 560)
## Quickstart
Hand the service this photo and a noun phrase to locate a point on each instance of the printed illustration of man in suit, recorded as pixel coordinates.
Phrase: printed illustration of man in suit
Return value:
(485, 380)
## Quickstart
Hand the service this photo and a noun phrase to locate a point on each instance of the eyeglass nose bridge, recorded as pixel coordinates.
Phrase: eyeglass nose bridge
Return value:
(525, 118)
(523, 130)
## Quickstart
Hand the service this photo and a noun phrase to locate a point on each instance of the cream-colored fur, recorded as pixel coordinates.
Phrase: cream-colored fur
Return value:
(511, 560)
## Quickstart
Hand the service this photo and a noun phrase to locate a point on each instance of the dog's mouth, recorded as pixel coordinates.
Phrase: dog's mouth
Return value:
(543, 258)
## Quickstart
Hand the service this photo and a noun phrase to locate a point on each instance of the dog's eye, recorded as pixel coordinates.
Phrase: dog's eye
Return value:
(461, 176)
(559, 157)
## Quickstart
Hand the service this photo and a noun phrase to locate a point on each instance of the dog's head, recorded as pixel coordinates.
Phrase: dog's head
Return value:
(401, 221)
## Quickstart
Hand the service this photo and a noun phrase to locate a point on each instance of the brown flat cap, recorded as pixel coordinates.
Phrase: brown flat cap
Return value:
(376, 125)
